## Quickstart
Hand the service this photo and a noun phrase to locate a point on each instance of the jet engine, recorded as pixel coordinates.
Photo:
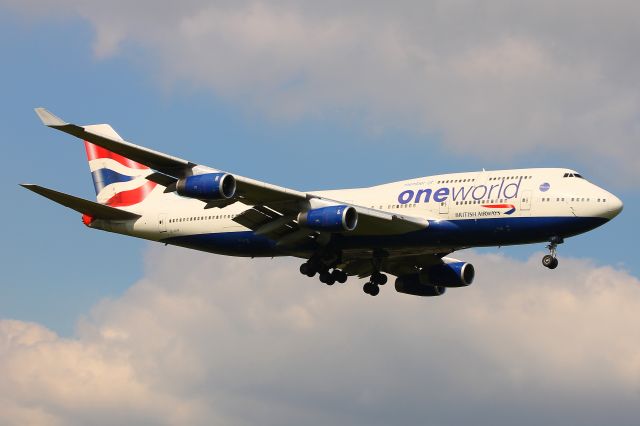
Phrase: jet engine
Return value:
(434, 280)
(209, 186)
(331, 219)
(450, 274)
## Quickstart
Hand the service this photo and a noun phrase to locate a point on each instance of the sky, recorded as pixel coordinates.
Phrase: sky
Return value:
(99, 328)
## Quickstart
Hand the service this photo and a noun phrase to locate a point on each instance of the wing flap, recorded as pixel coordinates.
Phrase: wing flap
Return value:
(267, 222)
(98, 211)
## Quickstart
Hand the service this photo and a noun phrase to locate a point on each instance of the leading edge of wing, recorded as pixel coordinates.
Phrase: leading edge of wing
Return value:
(170, 166)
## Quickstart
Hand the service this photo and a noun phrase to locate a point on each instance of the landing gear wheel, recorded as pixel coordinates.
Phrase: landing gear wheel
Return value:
(378, 278)
(327, 278)
(307, 269)
(339, 276)
(371, 289)
(550, 262)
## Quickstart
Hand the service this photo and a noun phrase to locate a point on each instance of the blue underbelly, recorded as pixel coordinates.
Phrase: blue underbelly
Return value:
(445, 233)
(481, 232)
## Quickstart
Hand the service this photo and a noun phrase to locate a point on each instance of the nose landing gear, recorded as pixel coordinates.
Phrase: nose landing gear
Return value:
(550, 260)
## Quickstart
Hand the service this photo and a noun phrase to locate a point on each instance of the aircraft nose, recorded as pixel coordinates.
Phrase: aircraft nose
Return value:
(613, 207)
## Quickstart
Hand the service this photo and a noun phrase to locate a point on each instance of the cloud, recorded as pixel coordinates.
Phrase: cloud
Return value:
(204, 339)
(496, 80)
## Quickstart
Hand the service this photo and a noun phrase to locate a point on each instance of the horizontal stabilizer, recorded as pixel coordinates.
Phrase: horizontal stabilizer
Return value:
(98, 211)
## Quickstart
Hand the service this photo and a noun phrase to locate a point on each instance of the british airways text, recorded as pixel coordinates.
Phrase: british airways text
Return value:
(502, 190)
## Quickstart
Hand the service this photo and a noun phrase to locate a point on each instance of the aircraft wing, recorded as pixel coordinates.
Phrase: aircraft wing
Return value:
(283, 201)
(397, 262)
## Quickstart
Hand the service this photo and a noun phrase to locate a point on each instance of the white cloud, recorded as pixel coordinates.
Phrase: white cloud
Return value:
(494, 79)
(205, 339)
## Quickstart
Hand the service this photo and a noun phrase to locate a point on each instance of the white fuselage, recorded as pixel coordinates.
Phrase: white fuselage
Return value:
(482, 208)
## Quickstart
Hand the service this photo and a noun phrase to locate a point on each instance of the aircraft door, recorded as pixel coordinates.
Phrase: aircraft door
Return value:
(525, 203)
(444, 207)
(162, 222)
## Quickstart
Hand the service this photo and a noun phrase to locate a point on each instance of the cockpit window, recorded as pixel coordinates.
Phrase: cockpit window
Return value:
(578, 175)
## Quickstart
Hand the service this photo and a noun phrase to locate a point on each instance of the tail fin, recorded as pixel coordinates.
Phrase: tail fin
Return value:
(118, 181)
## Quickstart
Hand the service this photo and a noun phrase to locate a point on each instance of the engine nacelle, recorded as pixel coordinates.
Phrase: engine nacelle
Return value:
(209, 186)
(411, 284)
(434, 280)
(452, 274)
(332, 218)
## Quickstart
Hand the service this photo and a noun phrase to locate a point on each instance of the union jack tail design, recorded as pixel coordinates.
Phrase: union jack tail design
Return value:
(119, 181)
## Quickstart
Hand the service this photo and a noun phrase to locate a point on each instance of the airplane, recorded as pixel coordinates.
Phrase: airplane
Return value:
(406, 229)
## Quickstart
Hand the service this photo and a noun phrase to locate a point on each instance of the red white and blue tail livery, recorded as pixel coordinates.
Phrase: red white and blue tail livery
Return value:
(118, 181)
(406, 228)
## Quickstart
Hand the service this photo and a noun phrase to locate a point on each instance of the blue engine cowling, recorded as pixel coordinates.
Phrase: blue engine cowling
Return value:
(209, 186)
(453, 274)
(331, 219)
(434, 280)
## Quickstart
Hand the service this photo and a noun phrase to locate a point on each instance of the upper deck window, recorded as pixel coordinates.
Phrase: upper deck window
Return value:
(578, 175)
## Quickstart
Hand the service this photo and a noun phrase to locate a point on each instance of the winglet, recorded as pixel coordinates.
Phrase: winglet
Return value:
(48, 119)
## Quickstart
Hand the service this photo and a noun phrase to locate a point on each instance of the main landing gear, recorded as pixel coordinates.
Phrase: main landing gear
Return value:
(550, 260)
(377, 279)
(311, 268)
(325, 267)
(330, 277)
